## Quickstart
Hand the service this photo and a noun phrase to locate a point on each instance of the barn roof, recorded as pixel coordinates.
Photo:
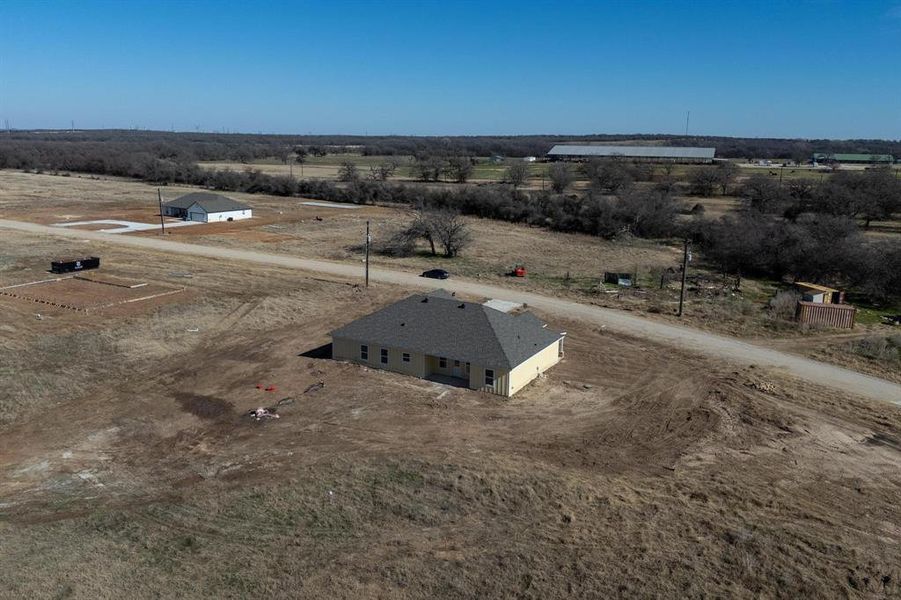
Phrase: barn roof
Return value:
(208, 201)
(632, 151)
(440, 325)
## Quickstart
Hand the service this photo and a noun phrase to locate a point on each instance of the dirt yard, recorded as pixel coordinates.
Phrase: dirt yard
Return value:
(286, 225)
(128, 466)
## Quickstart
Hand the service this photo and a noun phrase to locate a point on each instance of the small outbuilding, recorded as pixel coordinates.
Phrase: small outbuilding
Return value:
(206, 207)
(438, 336)
(819, 294)
(620, 279)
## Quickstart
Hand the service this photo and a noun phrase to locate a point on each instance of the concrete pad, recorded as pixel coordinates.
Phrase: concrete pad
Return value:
(502, 305)
(330, 205)
(125, 226)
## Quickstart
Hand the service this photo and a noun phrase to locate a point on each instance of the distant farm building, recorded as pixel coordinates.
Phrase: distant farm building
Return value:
(437, 336)
(645, 153)
(206, 208)
(859, 159)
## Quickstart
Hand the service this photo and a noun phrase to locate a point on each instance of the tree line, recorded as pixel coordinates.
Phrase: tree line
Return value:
(240, 147)
(800, 229)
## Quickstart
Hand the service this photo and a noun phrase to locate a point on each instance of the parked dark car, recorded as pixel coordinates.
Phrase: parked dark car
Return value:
(436, 274)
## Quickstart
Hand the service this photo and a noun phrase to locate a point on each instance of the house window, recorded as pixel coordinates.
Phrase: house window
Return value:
(364, 352)
(406, 357)
(442, 362)
(384, 356)
(489, 377)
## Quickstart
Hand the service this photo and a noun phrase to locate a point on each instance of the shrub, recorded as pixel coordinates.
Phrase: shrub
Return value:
(878, 348)
(784, 304)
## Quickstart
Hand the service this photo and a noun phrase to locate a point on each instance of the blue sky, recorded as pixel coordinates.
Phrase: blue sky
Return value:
(780, 69)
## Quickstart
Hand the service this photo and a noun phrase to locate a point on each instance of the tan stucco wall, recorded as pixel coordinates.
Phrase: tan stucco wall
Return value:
(345, 349)
(528, 370)
(477, 380)
(506, 383)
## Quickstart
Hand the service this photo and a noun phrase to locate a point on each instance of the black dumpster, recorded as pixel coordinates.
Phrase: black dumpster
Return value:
(68, 265)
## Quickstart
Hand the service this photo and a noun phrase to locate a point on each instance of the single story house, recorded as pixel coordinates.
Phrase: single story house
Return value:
(438, 335)
(206, 208)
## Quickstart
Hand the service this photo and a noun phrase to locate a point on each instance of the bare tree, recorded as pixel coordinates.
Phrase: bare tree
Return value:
(517, 174)
(725, 175)
(458, 168)
(428, 168)
(384, 170)
(348, 172)
(439, 227)
(452, 232)
(704, 180)
(560, 177)
(607, 176)
(423, 227)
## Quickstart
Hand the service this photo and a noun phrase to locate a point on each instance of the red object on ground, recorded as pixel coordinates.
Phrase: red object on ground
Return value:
(519, 271)
(270, 388)
(259, 386)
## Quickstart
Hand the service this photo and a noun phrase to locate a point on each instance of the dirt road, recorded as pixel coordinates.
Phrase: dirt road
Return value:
(709, 344)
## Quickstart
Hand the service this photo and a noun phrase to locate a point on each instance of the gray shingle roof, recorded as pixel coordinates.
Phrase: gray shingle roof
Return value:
(440, 325)
(207, 201)
(632, 151)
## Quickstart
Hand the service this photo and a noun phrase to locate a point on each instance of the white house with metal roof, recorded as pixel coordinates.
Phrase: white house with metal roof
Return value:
(656, 153)
(206, 207)
(437, 336)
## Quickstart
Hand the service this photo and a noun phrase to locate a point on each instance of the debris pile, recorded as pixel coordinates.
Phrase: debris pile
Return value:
(263, 413)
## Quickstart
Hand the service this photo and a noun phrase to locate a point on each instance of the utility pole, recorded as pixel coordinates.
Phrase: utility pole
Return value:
(687, 117)
(368, 241)
(159, 195)
(686, 258)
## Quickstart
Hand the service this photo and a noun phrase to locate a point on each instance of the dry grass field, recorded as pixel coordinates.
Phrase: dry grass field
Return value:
(285, 225)
(327, 167)
(128, 468)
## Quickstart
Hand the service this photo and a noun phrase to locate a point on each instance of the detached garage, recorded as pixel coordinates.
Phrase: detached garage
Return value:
(206, 207)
